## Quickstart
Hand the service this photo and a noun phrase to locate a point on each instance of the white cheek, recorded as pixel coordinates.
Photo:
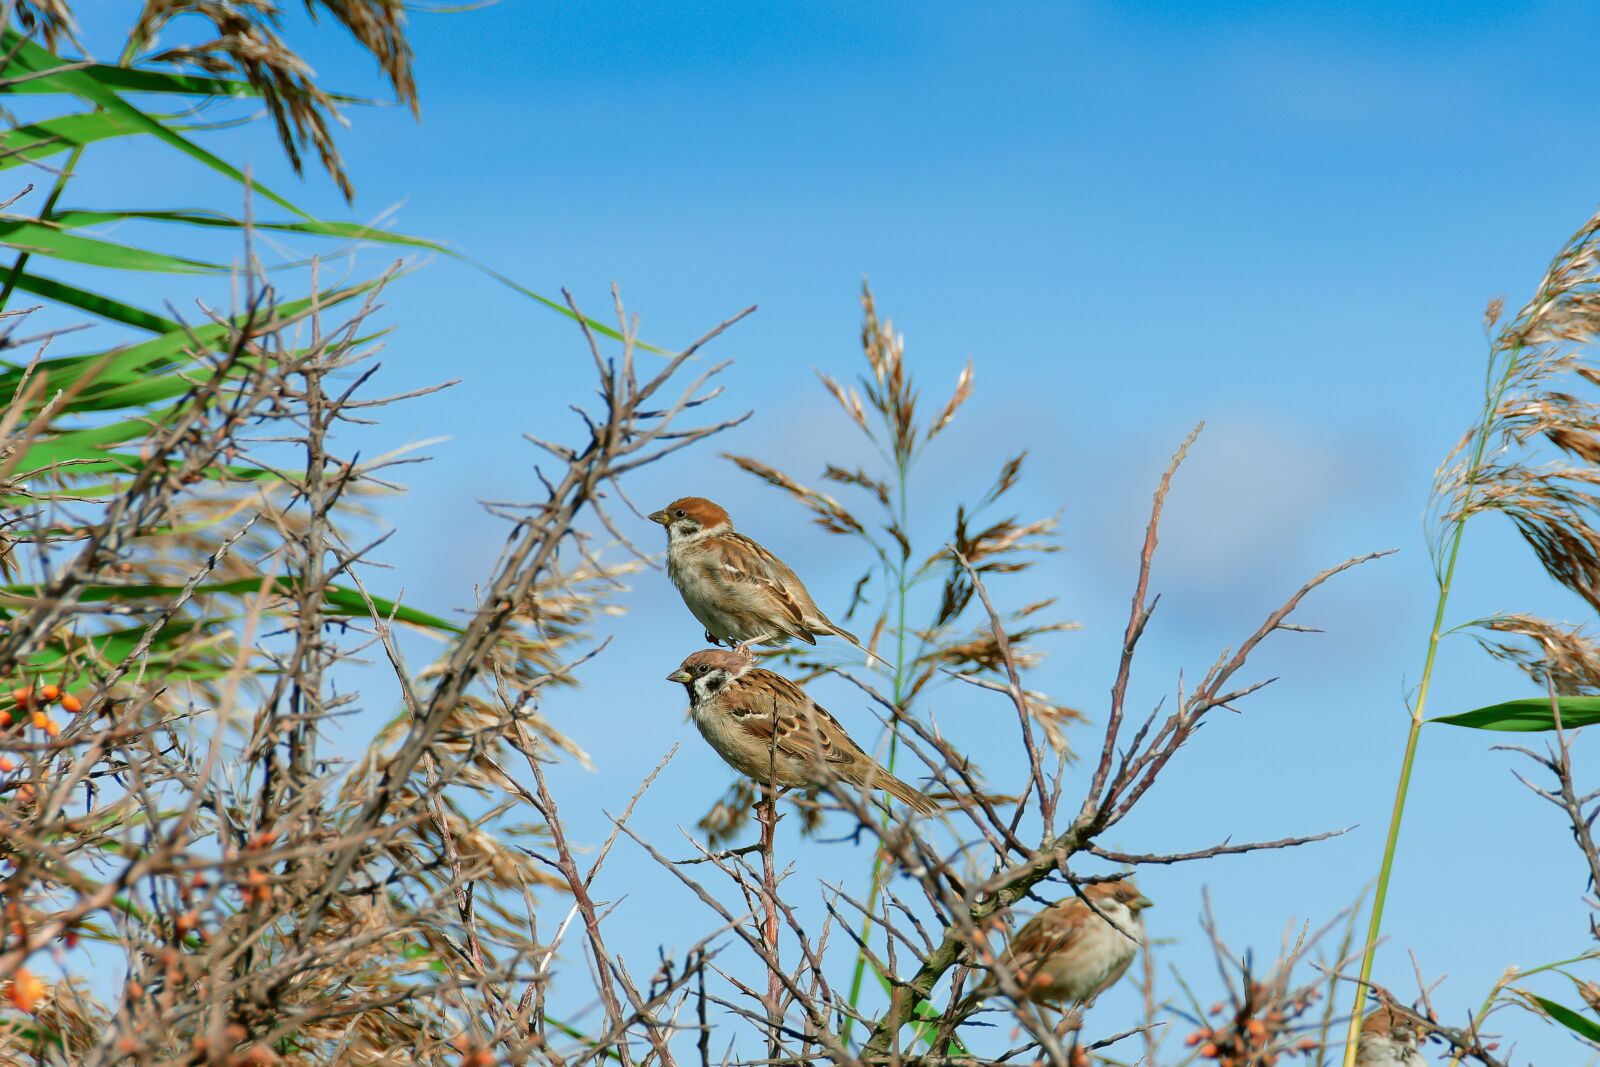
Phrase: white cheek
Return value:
(707, 686)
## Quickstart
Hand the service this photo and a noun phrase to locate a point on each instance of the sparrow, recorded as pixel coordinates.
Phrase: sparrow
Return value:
(741, 593)
(1388, 1040)
(769, 730)
(1068, 954)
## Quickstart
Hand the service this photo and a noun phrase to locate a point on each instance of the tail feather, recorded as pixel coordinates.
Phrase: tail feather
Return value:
(853, 640)
(913, 796)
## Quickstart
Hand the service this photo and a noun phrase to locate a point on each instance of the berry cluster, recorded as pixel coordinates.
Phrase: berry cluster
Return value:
(1258, 1032)
(30, 704)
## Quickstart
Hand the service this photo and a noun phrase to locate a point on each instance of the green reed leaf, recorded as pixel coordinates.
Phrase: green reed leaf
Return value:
(43, 238)
(94, 303)
(1573, 1021)
(40, 140)
(97, 85)
(1529, 715)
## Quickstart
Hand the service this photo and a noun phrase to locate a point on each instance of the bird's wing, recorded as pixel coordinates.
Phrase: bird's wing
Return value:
(746, 564)
(777, 713)
(1050, 933)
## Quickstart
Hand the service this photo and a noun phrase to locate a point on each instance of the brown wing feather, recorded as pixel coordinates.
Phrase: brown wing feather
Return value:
(745, 561)
(1049, 933)
(765, 703)
(768, 702)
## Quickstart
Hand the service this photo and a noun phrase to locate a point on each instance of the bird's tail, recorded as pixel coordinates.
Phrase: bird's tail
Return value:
(913, 796)
(839, 631)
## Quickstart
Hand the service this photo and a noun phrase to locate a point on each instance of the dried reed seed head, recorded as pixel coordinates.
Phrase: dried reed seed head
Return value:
(1566, 305)
(962, 392)
(860, 479)
(246, 42)
(1590, 992)
(1491, 313)
(50, 20)
(1564, 657)
(826, 511)
(849, 400)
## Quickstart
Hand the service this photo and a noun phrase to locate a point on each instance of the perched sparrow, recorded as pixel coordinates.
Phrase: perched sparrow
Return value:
(1387, 1040)
(741, 593)
(769, 730)
(1068, 954)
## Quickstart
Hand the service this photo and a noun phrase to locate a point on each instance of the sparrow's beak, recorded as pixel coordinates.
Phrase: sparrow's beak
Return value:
(1140, 902)
(679, 675)
(658, 516)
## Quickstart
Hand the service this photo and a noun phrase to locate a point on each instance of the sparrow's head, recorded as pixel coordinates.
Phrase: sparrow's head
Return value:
(690, 515)
(706, 672)
(1385, 1023)
(1122, 891)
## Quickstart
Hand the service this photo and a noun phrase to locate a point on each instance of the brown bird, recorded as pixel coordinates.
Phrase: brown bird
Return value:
(1068, 954)
(1389, 1040)
(741, 593)
(769, 730)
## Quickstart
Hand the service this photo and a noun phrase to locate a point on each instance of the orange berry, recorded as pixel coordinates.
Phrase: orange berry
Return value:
(49, 692)
(71, 703)
(1257, 1028)
(1216, 1009)
(39, 719)
(1208, 1050)
(23, 695)
(72, 939)
(5, 719)
(1195, 1038)
(6, 765)
(1306, 1044)
(25, 989)
(52, 728)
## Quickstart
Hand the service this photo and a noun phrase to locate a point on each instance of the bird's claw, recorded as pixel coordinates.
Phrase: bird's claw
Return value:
(743, 647)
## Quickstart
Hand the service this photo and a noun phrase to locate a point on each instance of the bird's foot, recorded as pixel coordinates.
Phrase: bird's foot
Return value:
(713, 640)
(743, 647)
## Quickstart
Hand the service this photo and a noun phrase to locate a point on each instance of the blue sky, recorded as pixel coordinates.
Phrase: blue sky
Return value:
(1285, 221)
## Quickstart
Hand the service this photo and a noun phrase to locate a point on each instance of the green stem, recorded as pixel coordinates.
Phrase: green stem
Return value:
(1511, 975)
(858, 977)
(1446, 579)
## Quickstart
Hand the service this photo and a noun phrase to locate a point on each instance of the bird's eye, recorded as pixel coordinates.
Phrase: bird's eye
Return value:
(680, 513)
(700, 668)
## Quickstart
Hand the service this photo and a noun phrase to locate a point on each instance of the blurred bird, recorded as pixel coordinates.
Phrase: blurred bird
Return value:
(769, 730)
(1068, 954)
(741, 593)
(1388, 1040)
